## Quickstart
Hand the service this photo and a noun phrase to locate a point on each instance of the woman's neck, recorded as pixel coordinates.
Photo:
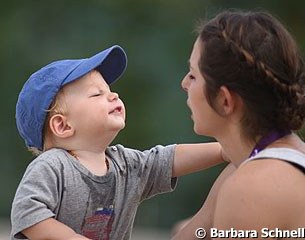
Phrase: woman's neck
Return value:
(236, 147)
(235, 154)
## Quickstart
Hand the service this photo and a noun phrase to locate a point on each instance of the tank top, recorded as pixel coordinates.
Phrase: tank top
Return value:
(294, 157)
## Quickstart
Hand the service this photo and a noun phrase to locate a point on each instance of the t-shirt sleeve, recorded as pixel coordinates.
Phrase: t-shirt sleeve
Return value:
(152, 169)
(36, 197)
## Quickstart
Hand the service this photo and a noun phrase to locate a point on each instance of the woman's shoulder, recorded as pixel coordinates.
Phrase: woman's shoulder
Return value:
(272, 165)
(268, 191)
(270, 179)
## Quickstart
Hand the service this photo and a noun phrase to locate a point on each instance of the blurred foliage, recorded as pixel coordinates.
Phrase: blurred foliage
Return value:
(157, 36)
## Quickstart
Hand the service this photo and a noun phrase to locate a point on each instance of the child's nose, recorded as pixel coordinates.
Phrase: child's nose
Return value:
(113, 96)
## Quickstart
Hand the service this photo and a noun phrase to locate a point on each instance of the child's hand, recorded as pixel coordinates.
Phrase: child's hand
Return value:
(78, 237)
(52, 229)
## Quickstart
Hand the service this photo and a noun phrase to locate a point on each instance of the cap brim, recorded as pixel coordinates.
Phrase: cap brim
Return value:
(111, 63)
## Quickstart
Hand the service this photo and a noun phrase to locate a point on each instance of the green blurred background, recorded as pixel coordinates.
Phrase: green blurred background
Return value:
(157, 36)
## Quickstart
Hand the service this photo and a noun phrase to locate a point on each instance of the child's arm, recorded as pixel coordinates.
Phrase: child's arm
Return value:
(194, 157)
(51, 229)
(37, 201)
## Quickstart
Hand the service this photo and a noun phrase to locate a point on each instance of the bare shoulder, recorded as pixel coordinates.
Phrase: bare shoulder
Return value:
(262, 191)
(267, 174)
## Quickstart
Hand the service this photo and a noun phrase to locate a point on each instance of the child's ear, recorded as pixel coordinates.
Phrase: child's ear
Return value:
(227, 101)
(60, 127)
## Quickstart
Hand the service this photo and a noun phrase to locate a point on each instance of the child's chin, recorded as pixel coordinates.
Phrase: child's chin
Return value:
(121, 126)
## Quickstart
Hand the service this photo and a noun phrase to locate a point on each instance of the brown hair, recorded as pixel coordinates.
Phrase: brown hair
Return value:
(252, 54)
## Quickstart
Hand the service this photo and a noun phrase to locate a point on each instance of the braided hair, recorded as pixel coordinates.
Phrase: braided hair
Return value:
(253, 55)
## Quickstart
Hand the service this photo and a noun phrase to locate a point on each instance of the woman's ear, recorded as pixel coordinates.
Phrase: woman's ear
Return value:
(227, 101)
(60, 127)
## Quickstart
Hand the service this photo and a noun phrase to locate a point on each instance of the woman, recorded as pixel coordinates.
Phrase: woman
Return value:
(246, 89)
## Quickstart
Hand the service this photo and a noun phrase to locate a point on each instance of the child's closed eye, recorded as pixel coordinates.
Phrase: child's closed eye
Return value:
(96, 94)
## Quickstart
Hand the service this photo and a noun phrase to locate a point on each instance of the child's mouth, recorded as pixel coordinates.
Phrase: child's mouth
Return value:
(116, 110)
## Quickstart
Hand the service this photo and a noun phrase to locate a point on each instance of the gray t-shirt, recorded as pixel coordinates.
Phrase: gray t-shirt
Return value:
(56, 185)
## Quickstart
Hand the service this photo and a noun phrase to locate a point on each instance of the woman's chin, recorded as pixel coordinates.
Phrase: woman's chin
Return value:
(199, 131)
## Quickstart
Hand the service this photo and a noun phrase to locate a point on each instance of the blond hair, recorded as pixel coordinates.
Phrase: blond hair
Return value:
(58, 106)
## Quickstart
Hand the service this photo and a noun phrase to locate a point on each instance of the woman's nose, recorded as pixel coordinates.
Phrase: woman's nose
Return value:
(184, 83)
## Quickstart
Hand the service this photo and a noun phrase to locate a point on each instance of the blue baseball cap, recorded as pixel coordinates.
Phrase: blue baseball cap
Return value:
(41, 88)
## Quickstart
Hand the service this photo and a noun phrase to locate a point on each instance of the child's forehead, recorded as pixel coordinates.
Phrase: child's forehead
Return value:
(91, 79)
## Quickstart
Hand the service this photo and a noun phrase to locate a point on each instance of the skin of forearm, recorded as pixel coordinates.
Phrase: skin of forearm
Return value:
(191, 158)
(51, 229)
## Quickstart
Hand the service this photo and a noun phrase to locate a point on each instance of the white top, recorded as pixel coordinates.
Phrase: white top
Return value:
(286, 154)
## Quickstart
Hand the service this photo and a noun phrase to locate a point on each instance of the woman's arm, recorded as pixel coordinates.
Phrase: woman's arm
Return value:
(204, 217)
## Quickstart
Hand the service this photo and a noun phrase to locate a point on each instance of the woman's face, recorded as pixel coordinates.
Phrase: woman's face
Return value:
(194, 84)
